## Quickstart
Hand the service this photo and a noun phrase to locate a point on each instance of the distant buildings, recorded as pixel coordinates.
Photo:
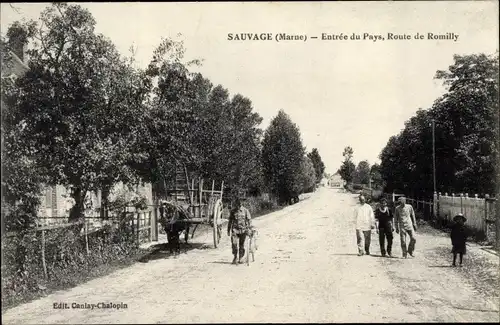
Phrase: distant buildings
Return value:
(336, 181)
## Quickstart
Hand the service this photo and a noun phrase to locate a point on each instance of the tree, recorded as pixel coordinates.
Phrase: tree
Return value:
(282, 155)
(318, 164)
(244, 149)
(377, 181)
(468, 111)
(464, 119)
(308, 175)
(174, 97)
(21, 178)
(78, 106)
(347, 168)
(362, 173)
(227, 139)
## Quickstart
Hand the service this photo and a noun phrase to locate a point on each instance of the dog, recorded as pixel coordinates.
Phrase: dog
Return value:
(252, 243)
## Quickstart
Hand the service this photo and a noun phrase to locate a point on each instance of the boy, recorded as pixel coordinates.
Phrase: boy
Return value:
(458, 238)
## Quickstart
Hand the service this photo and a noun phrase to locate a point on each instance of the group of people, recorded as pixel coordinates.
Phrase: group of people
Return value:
(383, 220)
(403, 221)
(385, 223)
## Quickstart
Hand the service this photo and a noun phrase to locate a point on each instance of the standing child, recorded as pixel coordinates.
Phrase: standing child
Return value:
(458, 238)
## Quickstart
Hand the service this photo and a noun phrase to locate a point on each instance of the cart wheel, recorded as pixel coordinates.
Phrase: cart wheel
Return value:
(217, 226)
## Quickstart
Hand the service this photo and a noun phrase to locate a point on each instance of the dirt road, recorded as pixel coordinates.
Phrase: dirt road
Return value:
(306, 270)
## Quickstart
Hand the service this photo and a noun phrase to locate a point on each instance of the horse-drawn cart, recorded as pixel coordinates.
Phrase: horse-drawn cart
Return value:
(191, 204)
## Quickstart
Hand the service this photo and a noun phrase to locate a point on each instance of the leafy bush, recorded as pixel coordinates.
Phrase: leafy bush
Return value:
(257, 205)
(124, 199)
(67, 260)
(357, 187)
(267, 205)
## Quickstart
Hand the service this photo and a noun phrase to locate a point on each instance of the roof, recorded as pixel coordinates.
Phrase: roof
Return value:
(18, 67)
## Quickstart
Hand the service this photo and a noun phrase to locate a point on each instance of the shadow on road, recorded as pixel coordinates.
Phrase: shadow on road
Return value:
(346, 254)
(440, 266)
(221, 262)
(161, 251)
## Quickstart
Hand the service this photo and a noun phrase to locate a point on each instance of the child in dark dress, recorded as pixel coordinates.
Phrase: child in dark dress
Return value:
(458, 238)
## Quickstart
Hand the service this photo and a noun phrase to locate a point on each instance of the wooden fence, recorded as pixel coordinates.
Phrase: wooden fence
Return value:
(143, 223)
(478, 211)
(426, 208)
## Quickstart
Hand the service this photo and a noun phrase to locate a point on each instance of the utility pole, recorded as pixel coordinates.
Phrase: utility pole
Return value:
(433, 156)
(497, 194)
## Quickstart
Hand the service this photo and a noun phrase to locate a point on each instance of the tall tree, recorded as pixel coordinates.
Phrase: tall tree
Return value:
(362, 172)
(464, 120)
(377, 181)
(318, 164)
(347, 169)
(468, 112)
(77, 107)
(21, 177)
(173, 98)
(308, 175)
(243, 154)
(282, 155)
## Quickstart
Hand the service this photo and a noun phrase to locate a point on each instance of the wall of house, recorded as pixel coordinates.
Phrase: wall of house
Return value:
(56, 201)
(336, 181)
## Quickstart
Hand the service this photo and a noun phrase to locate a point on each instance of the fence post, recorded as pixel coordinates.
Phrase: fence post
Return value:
(461, 203)
(436, 204)
(466, 196)
(86, 236)
(486, 208)
(452, 204)
(44, 264)
(150, 229)
(154, 224)
(137, 228)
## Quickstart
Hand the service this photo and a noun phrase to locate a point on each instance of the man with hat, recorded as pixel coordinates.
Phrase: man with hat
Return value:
(458, 238)
(240, 221)
(406, 225)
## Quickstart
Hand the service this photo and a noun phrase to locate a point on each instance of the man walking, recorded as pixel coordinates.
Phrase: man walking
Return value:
(383, 217)
(406, 225)
(365, 222)
(239, 221)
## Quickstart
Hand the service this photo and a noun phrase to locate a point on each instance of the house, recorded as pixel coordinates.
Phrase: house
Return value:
(336, 181)
(56, 200)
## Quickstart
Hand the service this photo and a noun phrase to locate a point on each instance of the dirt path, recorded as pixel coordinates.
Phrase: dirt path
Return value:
(306, 270)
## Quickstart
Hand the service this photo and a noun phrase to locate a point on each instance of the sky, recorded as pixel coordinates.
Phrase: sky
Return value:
(340, 93)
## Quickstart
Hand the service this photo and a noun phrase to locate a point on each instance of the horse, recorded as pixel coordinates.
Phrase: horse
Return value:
(173, 228)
